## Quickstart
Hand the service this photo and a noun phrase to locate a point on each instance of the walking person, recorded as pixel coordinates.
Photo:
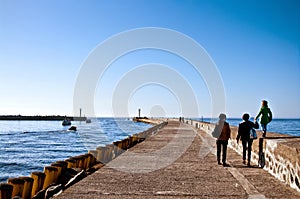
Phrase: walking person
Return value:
(266, 116)
(244, 135)
(223, 130)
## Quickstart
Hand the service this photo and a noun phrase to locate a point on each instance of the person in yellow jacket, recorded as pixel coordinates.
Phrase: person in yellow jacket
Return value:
(266, 116)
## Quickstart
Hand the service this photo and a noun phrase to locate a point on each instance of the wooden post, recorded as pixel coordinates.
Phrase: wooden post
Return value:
(79, 161)
(51, 175)
(93, 161)
(71, 163)
(5, 190)
(261, 155)
(109, 152)
(130, 141)
(134, 138)
(127, 141)
(38, 182)
(120, 147)
(59, 170)
(100, 153)
(106, 154)
(84, 160)
(18, 186)
(116, 148)
(82, 164)
(27, 187)
(88, 158)
(64, 165)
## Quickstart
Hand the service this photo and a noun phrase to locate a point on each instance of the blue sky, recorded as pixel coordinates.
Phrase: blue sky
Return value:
(254, 44)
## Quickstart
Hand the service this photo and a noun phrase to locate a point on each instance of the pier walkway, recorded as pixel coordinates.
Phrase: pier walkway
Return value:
(178, 162)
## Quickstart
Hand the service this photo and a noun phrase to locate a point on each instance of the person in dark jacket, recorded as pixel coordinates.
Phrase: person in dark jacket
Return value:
(223, 128)
(244, 135)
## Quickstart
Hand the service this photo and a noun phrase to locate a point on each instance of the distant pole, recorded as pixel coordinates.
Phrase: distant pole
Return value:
(139, 112)
(80, 112)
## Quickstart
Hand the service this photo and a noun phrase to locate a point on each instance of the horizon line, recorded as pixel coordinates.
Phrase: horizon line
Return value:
(166, 117)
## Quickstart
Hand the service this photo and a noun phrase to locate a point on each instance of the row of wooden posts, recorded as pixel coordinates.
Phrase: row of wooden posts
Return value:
(28, 187)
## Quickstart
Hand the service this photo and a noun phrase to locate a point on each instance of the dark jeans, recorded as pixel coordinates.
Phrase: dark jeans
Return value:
(247, 144)
(264, 128)
(224, 153)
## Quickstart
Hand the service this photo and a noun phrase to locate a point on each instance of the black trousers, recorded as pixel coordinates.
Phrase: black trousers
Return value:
(247, 146)
(222, 144)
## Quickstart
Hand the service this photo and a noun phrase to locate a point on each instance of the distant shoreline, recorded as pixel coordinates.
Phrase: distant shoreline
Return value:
(41, 118)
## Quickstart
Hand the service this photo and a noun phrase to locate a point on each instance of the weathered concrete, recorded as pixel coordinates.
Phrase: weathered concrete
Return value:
(178, 162)
(282, 158)
(147, 120)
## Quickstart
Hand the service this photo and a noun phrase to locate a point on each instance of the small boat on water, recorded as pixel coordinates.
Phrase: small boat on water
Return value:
(73, 128)
(66, 122)
(88, 120)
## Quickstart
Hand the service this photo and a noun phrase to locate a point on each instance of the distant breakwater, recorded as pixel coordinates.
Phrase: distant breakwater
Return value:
(42, 118)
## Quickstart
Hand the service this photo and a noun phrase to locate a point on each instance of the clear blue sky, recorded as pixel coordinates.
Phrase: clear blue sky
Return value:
(254, 44)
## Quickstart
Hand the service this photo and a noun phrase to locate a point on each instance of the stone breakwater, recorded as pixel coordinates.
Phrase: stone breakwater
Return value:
(147, 120)
(281, 152)
(61, 175)
(42, 118)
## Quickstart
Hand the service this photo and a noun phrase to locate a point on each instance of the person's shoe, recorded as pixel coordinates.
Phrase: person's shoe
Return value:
(249, 165)
(226, 165)
(219, 163)
(244, 161)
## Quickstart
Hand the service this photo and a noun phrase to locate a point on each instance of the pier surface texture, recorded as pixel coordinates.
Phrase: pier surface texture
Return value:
(178, 162)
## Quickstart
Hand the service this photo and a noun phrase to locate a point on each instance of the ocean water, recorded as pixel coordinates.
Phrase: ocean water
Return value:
(27, 146)
(282, 126)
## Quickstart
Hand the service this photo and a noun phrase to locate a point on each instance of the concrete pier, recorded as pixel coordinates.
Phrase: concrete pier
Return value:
(178, 162)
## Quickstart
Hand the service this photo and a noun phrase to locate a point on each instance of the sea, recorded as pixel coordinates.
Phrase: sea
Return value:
(282, 126)
(27, 146)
